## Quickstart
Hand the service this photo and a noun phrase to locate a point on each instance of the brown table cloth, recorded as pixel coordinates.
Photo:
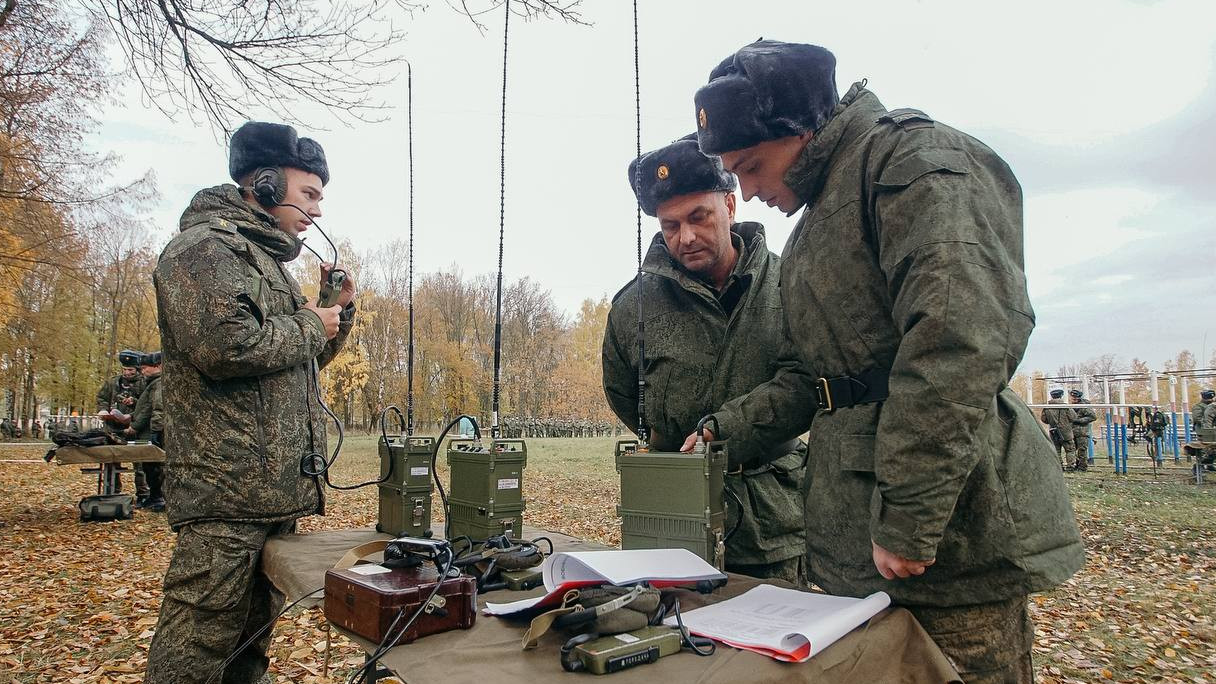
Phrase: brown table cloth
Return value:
(110, 453)
(891, 647)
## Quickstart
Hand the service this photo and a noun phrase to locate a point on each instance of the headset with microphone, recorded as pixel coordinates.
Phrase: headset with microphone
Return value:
(269, 188)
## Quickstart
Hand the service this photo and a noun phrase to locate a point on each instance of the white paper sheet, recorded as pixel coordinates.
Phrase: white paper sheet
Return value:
(570, 569)
(784, 623)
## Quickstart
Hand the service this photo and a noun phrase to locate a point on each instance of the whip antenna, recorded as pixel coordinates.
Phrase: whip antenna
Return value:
(502, 219)
(637, 187)
(409, 363)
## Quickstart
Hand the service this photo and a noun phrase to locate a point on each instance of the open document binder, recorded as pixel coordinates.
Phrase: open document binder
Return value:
(784, 624)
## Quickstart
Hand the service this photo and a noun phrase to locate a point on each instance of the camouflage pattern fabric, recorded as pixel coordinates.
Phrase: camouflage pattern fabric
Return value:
(239, 414)
(791, 570)
(1082, 428)
(988, 643)
(1197, 414)
(700, 352)
(148, 410)
(1209, 416)
(116, 391)
(215, 598)
(240, 407)
(908, 259)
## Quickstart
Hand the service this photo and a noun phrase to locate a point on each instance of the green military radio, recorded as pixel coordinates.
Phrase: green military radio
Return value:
(673, 500)
(487, 488)
(405, 489)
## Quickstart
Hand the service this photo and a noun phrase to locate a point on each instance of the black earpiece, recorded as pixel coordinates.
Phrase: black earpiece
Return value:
(269, 186)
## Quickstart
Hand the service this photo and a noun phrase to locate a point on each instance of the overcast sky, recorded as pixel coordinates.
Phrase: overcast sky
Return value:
(1105, 109)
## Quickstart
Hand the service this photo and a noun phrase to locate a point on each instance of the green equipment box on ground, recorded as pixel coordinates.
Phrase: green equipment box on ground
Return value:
(673, 500)
(405, 496)
(487, 487)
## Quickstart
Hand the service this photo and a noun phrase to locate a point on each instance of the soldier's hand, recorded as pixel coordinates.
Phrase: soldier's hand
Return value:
(328, 316)
(692, 440)
(892, 565)
(347, 294)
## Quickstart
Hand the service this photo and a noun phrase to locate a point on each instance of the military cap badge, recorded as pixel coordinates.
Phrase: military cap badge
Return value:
(663, 172)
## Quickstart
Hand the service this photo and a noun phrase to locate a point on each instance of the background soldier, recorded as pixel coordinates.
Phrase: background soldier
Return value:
(904, 287)
(1060, 428)
(1207, 399)
(240, 341)
(713, 329)
(147, 423)
(1082, 427)
(121, 393)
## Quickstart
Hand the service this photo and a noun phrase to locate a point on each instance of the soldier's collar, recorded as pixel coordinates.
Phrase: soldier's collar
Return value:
(857, 112)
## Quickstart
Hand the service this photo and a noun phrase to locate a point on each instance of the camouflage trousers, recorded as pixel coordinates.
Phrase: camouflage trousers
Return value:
(791, 570)
(1082, 462)
(216, 598)
(988, 643)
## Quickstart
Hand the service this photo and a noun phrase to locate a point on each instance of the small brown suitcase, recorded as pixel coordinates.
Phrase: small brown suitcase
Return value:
(365, 599)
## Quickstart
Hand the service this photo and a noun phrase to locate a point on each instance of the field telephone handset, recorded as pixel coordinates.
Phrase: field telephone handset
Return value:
(269, 188)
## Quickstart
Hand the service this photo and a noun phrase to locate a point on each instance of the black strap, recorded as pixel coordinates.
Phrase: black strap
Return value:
(845, 391)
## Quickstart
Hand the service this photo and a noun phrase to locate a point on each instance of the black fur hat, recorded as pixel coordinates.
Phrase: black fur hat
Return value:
(129, 358)
(151, 359)
(766, 90)
(258, 144)
(1057, 393)
(1207, 394)
(678, 169)
(1076, 393)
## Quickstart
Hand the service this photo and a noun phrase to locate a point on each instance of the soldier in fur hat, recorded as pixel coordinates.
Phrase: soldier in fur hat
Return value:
(713, 331)
(903, 288)
(239, 343)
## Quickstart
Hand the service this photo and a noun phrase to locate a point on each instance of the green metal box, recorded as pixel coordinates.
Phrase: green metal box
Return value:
(410, 458)
(482, 522)
(673, 500)
(405, 496)
(487, 486)
(404, 513)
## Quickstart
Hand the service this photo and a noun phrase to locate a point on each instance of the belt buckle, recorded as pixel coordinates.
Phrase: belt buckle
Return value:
(825, 395)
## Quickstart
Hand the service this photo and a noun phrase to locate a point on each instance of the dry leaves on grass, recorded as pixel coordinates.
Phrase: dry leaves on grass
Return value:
(78, 601)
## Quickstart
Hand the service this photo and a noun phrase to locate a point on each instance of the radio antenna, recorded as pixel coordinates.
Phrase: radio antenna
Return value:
(637, 187)
(409, 363)
(502, 219)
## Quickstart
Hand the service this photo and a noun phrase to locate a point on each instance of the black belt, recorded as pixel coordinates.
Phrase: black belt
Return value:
(845, 391)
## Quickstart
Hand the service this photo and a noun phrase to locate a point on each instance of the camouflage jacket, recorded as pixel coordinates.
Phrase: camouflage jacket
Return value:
(239, 392)
(114, 390)
(908, 260)
(148, 417)
(1060, 419)
(698, 355)
(1203, 415)
(1082, 425)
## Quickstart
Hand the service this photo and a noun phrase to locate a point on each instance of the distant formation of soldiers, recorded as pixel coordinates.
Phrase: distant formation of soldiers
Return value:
(524, 427)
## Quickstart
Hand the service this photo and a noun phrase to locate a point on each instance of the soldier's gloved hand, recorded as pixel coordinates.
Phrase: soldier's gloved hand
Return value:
(328, 316)
(347, 294)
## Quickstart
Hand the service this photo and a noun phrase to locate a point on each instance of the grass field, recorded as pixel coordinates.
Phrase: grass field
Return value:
(78, 601)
